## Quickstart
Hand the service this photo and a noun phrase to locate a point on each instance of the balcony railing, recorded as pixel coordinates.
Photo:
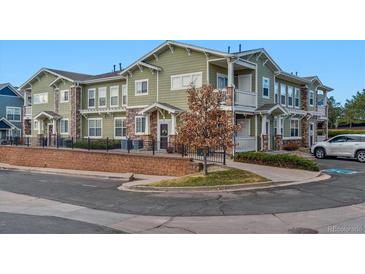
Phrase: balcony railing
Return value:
(102, 110)
(28, 112)
(245, 144)
(245, 98)
(322, 110)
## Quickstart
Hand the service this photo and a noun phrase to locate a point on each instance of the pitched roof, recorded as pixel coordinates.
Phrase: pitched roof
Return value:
(71, 75)
(13, 89)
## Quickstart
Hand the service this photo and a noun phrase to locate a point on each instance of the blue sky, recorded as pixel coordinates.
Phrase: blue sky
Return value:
(339, 64)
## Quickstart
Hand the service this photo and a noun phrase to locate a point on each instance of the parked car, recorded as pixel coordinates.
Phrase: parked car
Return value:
(346, 145)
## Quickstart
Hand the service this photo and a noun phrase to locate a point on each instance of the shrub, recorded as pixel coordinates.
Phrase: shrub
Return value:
(335, 132)
(97, 144)
(277, 160)
(291, 147)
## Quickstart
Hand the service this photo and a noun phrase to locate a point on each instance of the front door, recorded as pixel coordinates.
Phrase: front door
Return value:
(164, 136)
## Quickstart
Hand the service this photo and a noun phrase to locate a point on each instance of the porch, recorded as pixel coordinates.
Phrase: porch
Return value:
(47, 126)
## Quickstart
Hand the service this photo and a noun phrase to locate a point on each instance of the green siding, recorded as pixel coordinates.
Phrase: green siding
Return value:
(143, 100)
(294, 86)
(108, 124)
(264, 71)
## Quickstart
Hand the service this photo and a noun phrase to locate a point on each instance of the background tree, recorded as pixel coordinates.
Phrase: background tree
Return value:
(334, 112)
(349, 113)
(205, 125)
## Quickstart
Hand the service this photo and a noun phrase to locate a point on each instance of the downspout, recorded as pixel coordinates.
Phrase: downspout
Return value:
(157, 87)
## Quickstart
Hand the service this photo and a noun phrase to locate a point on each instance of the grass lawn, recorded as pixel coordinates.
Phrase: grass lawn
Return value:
(214, 178)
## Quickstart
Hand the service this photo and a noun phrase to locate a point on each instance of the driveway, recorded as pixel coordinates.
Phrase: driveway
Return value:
(341, 190)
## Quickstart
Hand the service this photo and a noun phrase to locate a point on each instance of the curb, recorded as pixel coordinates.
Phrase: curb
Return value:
(229, 188)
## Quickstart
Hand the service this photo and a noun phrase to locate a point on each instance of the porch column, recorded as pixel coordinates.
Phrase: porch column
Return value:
(278, 137)
(264, 136)
(173, 124)
(230, 75)
(54, 126)
(148, 130)
(230, 83)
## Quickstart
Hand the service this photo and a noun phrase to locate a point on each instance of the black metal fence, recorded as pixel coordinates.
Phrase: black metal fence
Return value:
(119, 146)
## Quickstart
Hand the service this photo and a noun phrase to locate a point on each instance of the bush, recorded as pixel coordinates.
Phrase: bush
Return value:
(335, 132)
(291, 147)
(97, 144)
(277, 160)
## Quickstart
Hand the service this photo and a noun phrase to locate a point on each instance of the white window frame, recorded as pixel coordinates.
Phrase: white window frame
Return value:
(276, 93)
(102, 90)
(124, 119)
(263, 86)
(297, 95)
(12, 109)
(135, 125)
(182, 87)
(281, 94)
(311, 92)
(88, 97)
(68, 126)
(219, 75)
(111, 89)
(62, 94)
(45, 94)
(135, 87)
(101, 128)
(125, 93)
(294, 119)
(36, 125)
(290, 95)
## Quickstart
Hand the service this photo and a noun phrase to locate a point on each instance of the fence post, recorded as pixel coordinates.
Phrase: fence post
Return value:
(153, 147)
(224, 156)
(27, 141)
(44, 141)
(107, 144)
(88, 143)
(129, 145)
(57, 141)
(11, 141)
(182, 150)
(72, 142)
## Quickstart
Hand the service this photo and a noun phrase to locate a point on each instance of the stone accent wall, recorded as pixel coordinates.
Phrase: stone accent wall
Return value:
(304, 124)
(153, 125)
(27, 127)
(97, 161)
(75, 112)
(288, 142)
(229, 96)
(278, 142)
(304, 98)
(264, 142)
(57, 100)
(131, 114)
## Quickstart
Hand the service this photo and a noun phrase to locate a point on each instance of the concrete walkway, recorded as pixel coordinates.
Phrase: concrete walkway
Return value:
(348, 219)
(275, 174)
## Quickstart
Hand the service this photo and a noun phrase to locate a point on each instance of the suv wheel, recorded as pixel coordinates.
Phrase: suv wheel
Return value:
(360, 156)
(319, 153)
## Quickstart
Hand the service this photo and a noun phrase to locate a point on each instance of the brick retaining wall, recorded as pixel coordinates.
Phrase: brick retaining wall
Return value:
(97, 161)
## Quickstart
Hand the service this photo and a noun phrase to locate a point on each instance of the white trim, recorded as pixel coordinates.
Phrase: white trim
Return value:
(135, 87)
(120, 137)
(292, 138)
(17, 93)
(292, 96)
(157, 105)
(285, 95)
(88, 128)
(62, 96)
(104, 90)
(110, 96)
(263, 80)
(295, 94)
(138, 106)
(222, 76)
(40, 93)
(20, 113)
(9, 123)
(88, 97)
(290, 127)
(309, 98)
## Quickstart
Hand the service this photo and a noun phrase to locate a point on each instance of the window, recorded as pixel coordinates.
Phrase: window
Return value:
(124, 95)
(40, 98)
(290, 96)
(184, 81)
(283, 94)
(339, 139)
(276, 96)
(140, 124)
(114, 96)
(141, 87)
(13, 114)
(102, 97)
(311, 98)
(294, 128)
(65, 96)
(36, 124)
(64, 126)
(120, 128)
(265, 87)
(91, 98)
(297, 98)
(95, 128)
(222, 81)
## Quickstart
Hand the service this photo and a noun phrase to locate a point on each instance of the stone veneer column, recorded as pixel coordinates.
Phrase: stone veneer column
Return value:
(75, 112)
(278, 142)
(27, 127)
(304, 122)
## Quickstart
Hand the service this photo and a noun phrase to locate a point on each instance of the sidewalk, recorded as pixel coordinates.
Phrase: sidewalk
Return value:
(348, 219)
(276, 174)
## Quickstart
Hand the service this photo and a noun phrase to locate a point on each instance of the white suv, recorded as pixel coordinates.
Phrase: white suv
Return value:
(347, 145)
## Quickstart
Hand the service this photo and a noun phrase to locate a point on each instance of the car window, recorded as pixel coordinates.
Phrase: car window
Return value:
(339, 139)
(353, 139)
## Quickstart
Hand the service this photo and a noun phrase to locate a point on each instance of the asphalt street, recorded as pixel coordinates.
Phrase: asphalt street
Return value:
(340, 190)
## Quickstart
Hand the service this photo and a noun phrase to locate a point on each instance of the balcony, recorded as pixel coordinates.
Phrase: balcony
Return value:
(102, 110)
(27, 112)
(245, 98)
(322, 110)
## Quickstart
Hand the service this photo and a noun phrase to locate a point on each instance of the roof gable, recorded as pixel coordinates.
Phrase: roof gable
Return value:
(259, 53)
(9, 90)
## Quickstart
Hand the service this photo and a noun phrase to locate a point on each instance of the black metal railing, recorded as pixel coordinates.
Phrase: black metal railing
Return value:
(148, 147)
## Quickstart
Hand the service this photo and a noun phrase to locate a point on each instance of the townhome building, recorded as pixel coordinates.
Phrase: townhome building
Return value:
(11, 104)
(144, 101)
